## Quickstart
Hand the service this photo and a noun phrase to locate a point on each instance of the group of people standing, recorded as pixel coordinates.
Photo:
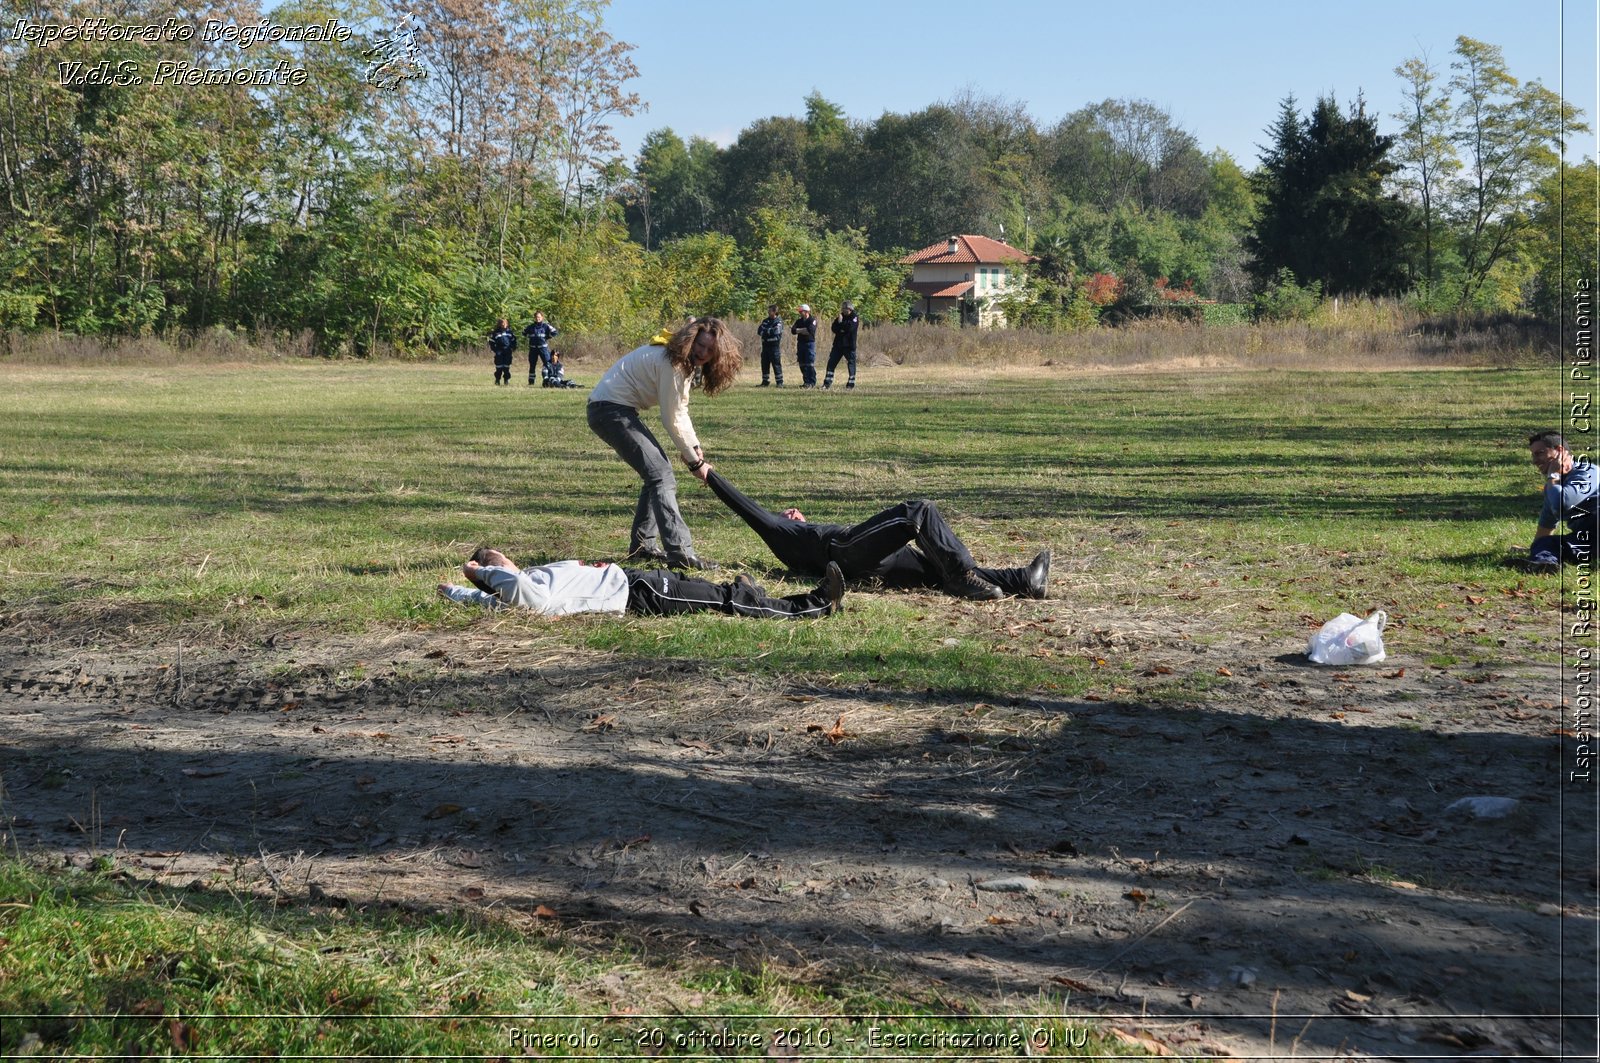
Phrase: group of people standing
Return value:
(906, 545)
(846, 331)
(539, 333)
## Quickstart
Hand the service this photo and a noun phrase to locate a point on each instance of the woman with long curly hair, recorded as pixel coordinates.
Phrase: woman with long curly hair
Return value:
(703, 352)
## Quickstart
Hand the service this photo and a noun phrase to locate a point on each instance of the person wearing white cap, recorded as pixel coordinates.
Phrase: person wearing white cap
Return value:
(805, 345)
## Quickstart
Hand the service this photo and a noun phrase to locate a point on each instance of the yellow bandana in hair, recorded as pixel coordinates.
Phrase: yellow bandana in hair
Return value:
(662, 338)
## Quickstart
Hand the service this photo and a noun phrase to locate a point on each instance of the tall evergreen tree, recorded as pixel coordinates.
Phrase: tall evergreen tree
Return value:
(1324, 213)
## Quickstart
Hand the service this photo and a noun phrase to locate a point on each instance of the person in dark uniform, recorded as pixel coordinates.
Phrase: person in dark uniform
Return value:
(805, 345)
(503, 342)
(880, 548)
(771, 333)
(539, 335)
(845, 329)
(557, 375)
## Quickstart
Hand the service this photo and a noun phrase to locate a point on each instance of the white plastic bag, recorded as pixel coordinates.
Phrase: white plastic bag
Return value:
(1349, 639)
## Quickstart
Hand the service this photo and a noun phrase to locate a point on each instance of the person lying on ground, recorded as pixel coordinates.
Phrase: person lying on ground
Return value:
(578, 587)
(1570, 486)
(880, 548)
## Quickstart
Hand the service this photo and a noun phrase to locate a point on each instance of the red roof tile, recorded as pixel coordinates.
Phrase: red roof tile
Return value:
(968, 249)
(940, 289)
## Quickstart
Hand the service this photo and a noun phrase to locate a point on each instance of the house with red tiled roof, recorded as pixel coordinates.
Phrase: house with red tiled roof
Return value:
(967, 274)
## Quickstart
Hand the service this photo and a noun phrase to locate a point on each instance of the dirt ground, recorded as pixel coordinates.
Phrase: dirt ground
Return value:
(1270, 872)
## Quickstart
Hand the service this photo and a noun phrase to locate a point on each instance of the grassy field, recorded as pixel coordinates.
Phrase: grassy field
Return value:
(244, 500)
(311, 495)
(220, 506)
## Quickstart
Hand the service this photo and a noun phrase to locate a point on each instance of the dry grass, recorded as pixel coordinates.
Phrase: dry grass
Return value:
(1351, 339)
(216, 345)
(1347, 333)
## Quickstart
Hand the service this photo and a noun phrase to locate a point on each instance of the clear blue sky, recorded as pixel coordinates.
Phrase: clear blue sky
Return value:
(711, 67)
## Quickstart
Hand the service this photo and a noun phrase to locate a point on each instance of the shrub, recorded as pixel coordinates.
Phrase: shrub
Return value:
(1222, 315)
(19, 310)
(1285, 300)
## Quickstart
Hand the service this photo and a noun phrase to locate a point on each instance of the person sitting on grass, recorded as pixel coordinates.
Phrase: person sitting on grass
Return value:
(556, 375)
(1569, 495)
(577, 587)
(880, 548)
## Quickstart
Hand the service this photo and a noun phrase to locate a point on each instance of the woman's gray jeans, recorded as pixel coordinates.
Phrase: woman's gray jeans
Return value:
(657, 524)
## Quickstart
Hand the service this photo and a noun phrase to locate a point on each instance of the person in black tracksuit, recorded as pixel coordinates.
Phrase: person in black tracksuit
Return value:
(771, 333)
(805, 346)
(539, 335)
(880, 548)
(503, 342)
(845, 329)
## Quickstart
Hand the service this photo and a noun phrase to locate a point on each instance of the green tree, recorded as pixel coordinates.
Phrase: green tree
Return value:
(1230, 199)
(700, 274)
(1128, 151)
(825, 120)
(1562, 242)
(789, 264)
(765, 166)
(1324, 214)
(1509, 136)
(918, 179)
(680, 186)
(1427, 155)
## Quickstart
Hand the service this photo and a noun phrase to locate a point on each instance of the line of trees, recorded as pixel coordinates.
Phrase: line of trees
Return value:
(476, 176)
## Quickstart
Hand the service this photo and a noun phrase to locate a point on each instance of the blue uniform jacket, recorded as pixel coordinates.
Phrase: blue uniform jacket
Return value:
(771, 333)
(1572, 498)
(502, 342)
(539, 334)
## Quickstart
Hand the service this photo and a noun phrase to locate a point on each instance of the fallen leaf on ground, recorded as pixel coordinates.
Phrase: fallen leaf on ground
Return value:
(836, 733)
(544, 912)
(1135, 1040)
